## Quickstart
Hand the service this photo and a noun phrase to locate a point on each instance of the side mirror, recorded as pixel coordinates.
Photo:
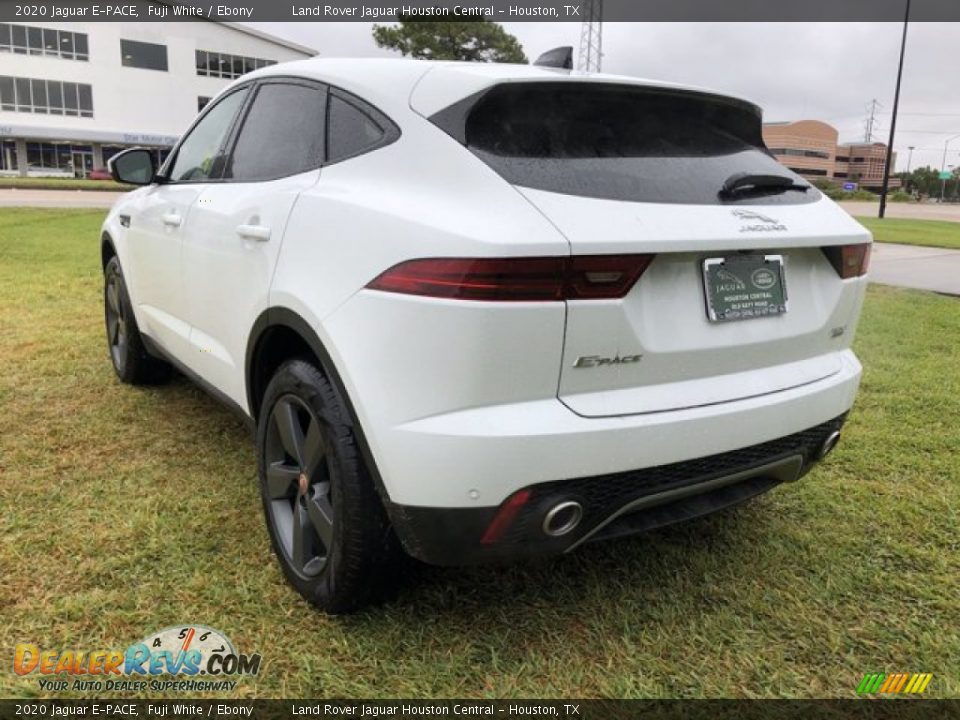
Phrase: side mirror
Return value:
(133, 167)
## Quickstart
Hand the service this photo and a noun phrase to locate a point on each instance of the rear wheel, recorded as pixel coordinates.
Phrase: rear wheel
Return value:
(326, 522)
(131, 361)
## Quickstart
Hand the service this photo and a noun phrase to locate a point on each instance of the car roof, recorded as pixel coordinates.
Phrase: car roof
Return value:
(397, 85)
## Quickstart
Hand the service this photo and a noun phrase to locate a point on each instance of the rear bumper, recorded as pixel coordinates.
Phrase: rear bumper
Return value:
(480, 456)
(614, 505)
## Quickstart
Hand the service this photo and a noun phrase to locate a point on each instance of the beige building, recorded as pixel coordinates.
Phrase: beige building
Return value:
(810, 148)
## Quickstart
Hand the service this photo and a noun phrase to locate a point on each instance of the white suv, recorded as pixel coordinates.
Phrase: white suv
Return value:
(486, 311)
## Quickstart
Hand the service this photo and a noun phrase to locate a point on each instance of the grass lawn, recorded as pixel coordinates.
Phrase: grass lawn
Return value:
(934, 233)
(129, 510)
(36, 183)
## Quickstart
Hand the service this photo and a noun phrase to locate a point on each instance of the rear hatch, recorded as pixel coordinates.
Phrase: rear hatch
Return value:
(739, 300)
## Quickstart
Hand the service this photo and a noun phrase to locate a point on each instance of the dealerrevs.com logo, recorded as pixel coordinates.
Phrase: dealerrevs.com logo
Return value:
(171, 659)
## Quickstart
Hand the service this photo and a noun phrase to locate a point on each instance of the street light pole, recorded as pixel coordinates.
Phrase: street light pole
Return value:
(909, 163)
(893, 119)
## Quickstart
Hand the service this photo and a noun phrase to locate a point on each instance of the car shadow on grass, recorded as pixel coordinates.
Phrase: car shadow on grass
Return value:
(636, 574)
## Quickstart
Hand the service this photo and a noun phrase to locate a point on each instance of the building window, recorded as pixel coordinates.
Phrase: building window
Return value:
(858, 160)
(840, 174)
(50, 157)
(29, 40)
(225, 65)
(843, 158)
(807, 171)
(202, 103)
(108, 151)
(801, 153)
(46, 96)
(8, 100)
(149, 56)
(8, 155)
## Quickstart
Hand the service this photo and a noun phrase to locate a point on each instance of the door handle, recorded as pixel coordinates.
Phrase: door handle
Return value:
(253, 232)
(172, 219)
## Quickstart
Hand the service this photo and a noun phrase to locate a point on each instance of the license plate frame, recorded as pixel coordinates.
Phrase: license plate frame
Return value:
(744, 286)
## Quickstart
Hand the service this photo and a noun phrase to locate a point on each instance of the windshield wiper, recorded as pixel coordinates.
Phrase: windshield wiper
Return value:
(745, 183)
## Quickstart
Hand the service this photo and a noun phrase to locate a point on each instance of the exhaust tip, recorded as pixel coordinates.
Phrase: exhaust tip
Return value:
(562, 518)
(829, 444)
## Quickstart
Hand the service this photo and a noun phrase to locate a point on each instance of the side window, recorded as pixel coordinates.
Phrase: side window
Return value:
(281, 135)
(350, 130)
(199, 156)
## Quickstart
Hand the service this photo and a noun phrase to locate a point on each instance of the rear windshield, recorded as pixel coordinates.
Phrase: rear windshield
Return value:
(619, 142)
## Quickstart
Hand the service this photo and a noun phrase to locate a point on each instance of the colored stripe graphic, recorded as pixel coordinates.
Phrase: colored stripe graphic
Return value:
(866, 683)
(900, 683)
(912, 683)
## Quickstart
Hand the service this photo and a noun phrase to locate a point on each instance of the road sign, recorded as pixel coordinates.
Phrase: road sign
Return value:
(850, 187)
(945, 174)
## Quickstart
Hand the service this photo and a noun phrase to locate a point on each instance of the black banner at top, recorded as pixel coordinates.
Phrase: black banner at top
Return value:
(497, 10)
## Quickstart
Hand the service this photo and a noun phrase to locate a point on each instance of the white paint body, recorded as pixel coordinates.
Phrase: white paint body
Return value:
(464, 402)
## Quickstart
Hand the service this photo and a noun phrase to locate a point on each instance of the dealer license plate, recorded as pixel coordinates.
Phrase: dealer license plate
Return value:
(740, 287)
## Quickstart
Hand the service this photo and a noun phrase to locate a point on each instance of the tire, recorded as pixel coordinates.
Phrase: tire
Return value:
(327, 525)
(130, 359)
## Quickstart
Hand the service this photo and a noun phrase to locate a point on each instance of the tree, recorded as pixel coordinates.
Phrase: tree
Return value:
(924, 180)
(476, 40)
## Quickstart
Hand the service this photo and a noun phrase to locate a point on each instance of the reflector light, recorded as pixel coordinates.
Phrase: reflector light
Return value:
(528, 279)
(505, 517)
(849, 260)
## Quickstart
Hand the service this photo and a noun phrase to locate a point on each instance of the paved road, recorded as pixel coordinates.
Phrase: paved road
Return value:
(911, 211)
(910, 266)
(97, 198)
(57, 198)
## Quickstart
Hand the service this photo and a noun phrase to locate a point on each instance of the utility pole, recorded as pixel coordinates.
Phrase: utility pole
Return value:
(893, 120)
(591, 37)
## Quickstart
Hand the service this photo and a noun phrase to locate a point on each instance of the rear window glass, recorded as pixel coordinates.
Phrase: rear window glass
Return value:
(619, 142)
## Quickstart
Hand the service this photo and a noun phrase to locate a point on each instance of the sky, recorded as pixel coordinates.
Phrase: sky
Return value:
(794, 71)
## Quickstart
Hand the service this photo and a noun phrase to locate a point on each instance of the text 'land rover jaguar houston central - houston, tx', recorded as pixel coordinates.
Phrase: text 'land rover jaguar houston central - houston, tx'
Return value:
(486, 311)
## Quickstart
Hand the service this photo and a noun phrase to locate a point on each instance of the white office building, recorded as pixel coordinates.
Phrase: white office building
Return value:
(73, 94)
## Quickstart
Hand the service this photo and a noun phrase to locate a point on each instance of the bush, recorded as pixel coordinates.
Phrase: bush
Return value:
(900, 196)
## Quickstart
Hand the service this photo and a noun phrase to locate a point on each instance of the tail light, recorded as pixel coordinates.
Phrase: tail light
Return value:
(528, 279)
(849, 260)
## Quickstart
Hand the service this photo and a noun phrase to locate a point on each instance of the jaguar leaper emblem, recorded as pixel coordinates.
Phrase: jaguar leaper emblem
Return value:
(757, 222)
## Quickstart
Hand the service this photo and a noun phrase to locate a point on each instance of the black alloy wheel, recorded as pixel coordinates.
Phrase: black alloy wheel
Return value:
(327, 524)
(298, 486)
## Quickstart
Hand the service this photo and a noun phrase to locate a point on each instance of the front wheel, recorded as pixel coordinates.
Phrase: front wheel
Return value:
(326, 522)
(131, 361)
